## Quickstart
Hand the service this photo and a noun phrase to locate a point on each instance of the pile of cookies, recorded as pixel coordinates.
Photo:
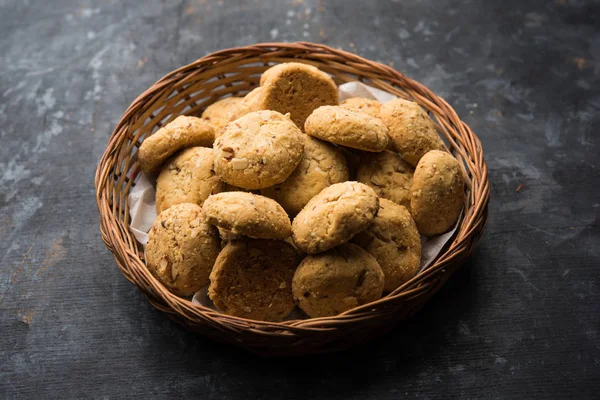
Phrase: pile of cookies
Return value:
(288, 197)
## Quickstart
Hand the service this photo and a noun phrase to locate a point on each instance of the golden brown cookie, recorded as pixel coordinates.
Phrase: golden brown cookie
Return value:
(247, 214)
(411, 130)
(182, 249)
(322, 165)
(253, 279)
(221, 112)
(394, 241)
(297, 89)
(259, 150)
(437, 193)
(188, 178)
(253, 101)
(178, 134)
(347, 128)
(333, 216)
(338, 280)
(361, 104)
(388, 174)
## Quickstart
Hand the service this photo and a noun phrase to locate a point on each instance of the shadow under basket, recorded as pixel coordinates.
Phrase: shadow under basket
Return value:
(234, 72)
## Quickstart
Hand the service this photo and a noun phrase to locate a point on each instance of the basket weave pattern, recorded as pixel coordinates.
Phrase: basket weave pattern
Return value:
(235, 71)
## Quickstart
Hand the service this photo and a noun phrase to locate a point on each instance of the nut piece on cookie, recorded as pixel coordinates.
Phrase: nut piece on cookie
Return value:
(338, 280)
(437, 193)
(411, 130)
(338, 125)
(334, 216)
(322, 165)
(297, 89)
(221, 112)
(389, 176)
(182, 249)
(247, 214)
(178, 134)
(394, 241)
(259, 150)
(188, 178)
(252, 279)
(361, 104)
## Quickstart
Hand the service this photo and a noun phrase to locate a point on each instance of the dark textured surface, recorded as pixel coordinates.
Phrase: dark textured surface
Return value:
(520, 320)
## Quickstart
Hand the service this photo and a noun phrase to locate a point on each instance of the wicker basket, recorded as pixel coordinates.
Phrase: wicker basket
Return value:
(235, 71)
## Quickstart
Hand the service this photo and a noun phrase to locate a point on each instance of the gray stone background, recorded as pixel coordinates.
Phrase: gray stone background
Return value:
(520, 320)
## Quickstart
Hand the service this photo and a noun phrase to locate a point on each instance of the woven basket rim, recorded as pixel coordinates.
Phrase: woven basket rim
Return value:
(120, 241)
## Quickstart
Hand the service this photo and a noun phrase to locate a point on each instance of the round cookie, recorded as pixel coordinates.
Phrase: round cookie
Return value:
(411, 130)
(221, 112)
(188, 178)
(297, 89)
(258, 150)
(182, 249)
(361, 104)
(338, 280)
(247, 214)
(389, 176)
(394, 241)
(338, 125)
(322, 165)
(253, 101)
(437, 193)
(253, 279)
(178, 134)
(334, 216)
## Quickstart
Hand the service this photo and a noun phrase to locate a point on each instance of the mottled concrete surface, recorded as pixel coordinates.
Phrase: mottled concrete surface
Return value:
(520, 320)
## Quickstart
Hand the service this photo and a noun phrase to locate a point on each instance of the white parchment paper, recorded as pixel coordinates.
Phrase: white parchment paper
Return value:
(142, 207)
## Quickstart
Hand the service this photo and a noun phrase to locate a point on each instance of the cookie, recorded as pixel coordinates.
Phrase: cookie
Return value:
(338, 280)
(253, 101)
(297, 89)
(178, 134)
(361, 104)
(247, 214)
(388, 174)
(333, 216)
(188, 178)
(221, 112)
(437, 193)
(322, 165)
(394, 241)
(411, 130)
(347, 128)
(258, 150)
(182, 249)
(252, 279)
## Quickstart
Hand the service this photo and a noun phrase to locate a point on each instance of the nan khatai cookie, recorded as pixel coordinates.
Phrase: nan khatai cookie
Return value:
(348, 128)
(297, 89)
(221, 112)
(334, 216)
(437, 193)
(394, 241)
(178, 134)
(410, 128)
(389, 176)
(188, 178)
(247, 214)
(361, 104)
(259, 150)
(182, 249)
(338, 280)
(253, 279)
(322, 165)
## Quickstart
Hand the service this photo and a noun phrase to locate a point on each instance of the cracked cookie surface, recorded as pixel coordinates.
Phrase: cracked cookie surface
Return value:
(321, 166)
(182, 249)
(252, 278)
(334, 216)
(258, 150)
(337, 280)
